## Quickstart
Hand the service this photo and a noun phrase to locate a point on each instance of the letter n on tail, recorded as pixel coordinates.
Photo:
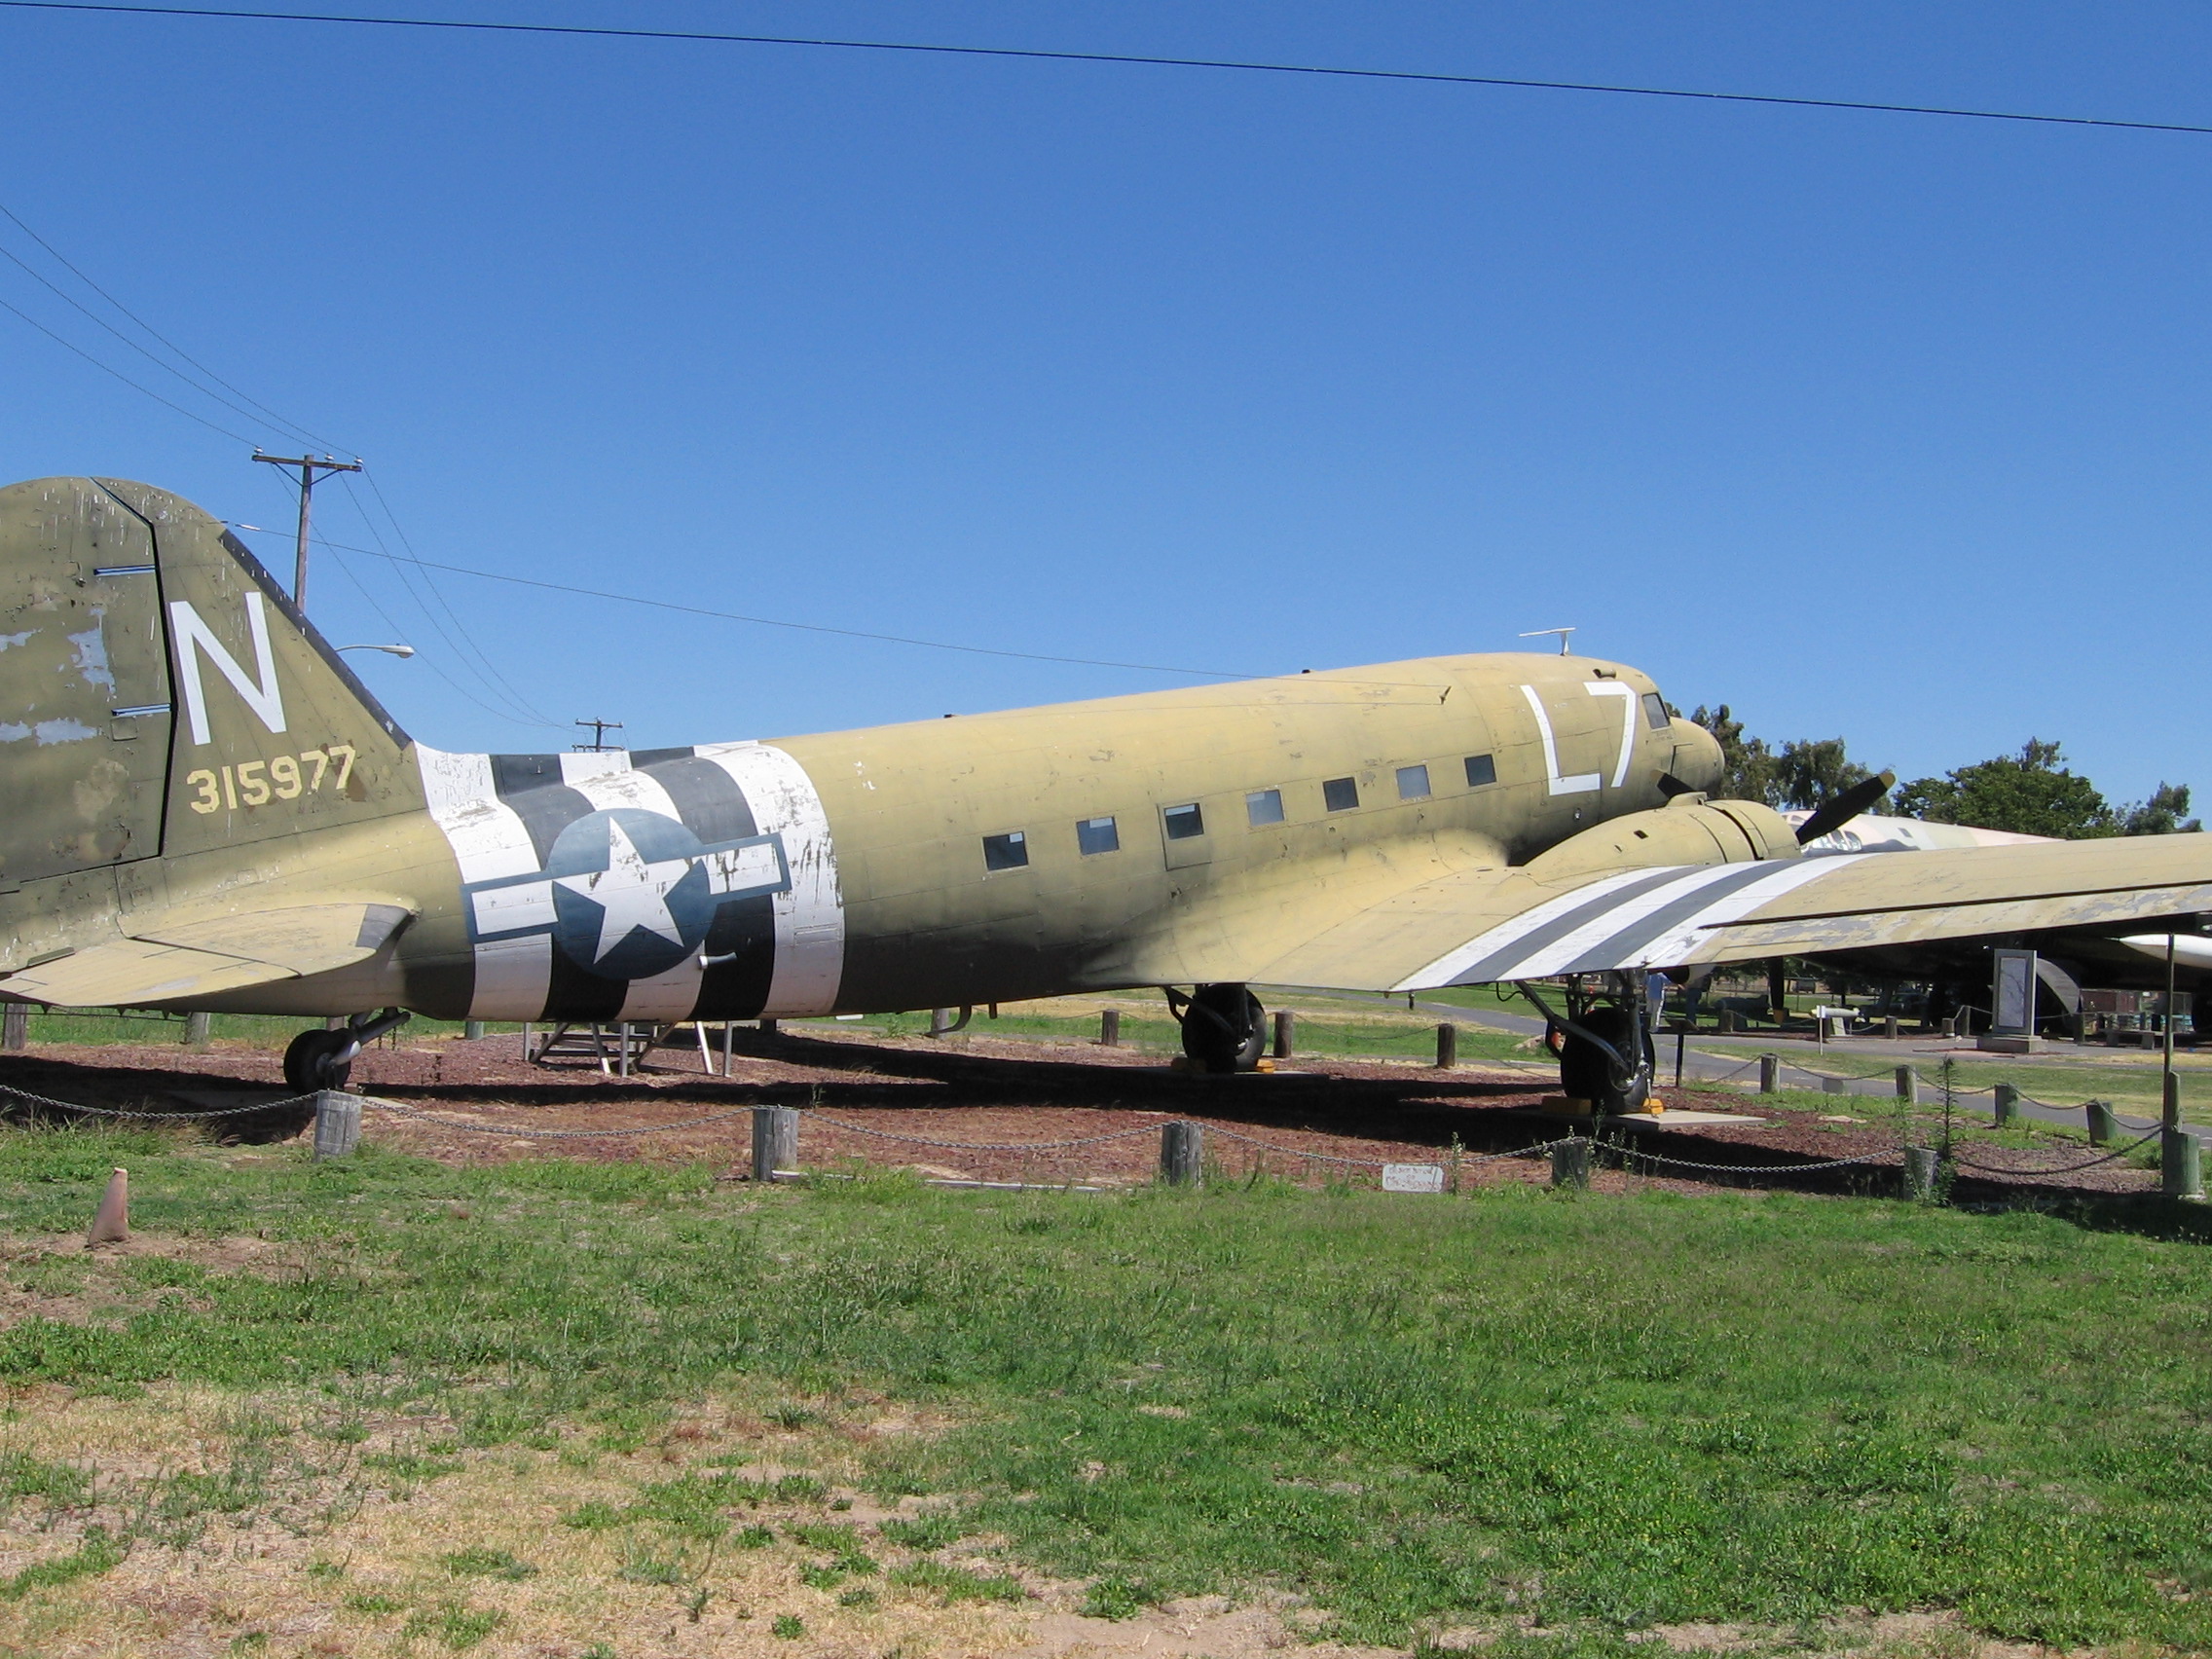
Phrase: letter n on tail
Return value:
(192, 638)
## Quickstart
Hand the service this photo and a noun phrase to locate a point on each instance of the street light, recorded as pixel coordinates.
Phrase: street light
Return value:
(389, 650)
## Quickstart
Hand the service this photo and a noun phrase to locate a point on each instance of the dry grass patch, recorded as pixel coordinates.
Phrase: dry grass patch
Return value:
(300, 1525)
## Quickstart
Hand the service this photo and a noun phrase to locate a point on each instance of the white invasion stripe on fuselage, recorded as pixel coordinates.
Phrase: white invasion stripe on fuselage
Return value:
(674, 993)
(487, 839)
(809, 918)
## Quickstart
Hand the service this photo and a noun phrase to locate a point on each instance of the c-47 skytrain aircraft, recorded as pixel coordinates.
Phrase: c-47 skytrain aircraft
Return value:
(206, 811)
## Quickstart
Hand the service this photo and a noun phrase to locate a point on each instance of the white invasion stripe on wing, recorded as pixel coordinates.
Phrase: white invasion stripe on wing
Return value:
(1681, 941)
(1619, 924)
(489, 841)
(1446, 969)
(810, 917)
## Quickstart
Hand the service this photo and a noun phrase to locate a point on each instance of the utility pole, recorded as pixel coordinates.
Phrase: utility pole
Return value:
(599, 731)
(308, 466)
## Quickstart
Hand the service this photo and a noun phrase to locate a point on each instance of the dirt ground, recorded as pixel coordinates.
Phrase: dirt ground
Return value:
(975, 1107)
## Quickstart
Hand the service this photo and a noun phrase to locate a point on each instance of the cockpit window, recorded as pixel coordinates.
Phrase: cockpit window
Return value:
(1656, 710)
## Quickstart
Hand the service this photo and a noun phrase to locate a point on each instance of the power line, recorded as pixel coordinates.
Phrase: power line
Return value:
(121, 376)
(461, 642)
(778, 623)
(71, 267)
(375, 604)
(1037, 55)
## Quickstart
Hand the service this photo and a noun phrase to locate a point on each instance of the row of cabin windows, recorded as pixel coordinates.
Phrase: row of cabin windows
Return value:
(1262, 807)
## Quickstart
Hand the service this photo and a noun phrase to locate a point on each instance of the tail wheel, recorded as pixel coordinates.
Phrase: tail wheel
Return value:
(319, 1059)
(1224, 1029)
(1586, 1072)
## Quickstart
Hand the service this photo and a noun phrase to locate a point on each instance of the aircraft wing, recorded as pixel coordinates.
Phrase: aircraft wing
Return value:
(1482, 926)
(169, 958)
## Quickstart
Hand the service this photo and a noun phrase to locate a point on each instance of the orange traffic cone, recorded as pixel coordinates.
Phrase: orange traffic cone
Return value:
(112, 1225)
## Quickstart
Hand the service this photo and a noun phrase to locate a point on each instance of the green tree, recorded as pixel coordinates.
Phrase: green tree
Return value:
(2029, 794)
(1747, 762)
(1814, 772)
(1804, 774)
(2163, 814)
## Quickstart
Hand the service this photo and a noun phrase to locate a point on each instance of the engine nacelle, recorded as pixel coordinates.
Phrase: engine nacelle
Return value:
(1688, 829)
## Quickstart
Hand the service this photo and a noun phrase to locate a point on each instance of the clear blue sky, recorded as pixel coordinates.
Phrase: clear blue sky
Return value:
(1872, 425)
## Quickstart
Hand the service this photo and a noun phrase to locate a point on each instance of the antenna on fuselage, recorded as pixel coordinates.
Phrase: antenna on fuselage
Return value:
(1539, 633)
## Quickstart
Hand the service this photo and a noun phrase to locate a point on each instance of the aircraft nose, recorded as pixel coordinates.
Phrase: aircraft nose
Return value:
(1698, 760)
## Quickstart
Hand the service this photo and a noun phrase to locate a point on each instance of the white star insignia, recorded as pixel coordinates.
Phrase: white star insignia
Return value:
(632, 893)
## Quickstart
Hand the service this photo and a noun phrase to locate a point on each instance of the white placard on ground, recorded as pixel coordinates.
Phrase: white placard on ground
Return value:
(1413, 1177)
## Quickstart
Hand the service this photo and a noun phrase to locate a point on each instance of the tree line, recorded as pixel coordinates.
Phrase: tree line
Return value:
(2033, 793)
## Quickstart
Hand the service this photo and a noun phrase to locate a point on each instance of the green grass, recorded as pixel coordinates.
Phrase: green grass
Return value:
(2132, 1085)
(1379, 1036)
(105, 1026)
(1611, 1412)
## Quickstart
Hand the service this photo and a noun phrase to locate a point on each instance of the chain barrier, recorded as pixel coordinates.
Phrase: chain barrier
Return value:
(1377, 1163)
(1732, 1071)
(293, 1101)
(519, 1133)
(1628, 1152)
(2061, 1170)
(974, 1146)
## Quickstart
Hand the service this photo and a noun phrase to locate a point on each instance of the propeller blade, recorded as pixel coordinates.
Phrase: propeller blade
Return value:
(1833, 815)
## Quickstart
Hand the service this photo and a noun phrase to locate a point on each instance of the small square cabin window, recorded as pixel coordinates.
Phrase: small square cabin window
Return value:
(1340, 795)
(1413, 783)
(1096, 836)
(1184, 822)
(1481, 770)
(1009, 851)
(1656, 710)
(1263, 807)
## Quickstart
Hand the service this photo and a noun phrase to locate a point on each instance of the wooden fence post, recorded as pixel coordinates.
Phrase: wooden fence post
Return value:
(1908, 1085)
(1770, 1073)
(1920, 1173)
(1447, 1046)
(2181, 1170)
(1287, 1033)
(2103, 1129)
(2006, 1105)
(336, 1123)
(1571, 1164)
(1182, 1152)
(471, 1030)
(197, 1030)
(1110, 1028)
(16, 1027)
(775, 1141)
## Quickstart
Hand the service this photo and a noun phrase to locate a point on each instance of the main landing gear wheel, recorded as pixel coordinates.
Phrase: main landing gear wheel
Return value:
(1224, 1029)
(319, 1059)
(1586, 1072)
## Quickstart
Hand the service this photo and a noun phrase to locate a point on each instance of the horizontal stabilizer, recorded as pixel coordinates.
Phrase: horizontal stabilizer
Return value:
(175, 959)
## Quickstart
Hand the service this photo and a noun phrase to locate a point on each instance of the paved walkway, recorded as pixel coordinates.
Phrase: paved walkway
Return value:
(1804, 1061)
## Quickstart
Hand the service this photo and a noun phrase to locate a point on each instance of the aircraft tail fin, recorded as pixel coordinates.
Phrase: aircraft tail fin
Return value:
(159, 695)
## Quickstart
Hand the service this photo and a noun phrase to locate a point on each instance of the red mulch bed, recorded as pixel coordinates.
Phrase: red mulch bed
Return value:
(985, 1103)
